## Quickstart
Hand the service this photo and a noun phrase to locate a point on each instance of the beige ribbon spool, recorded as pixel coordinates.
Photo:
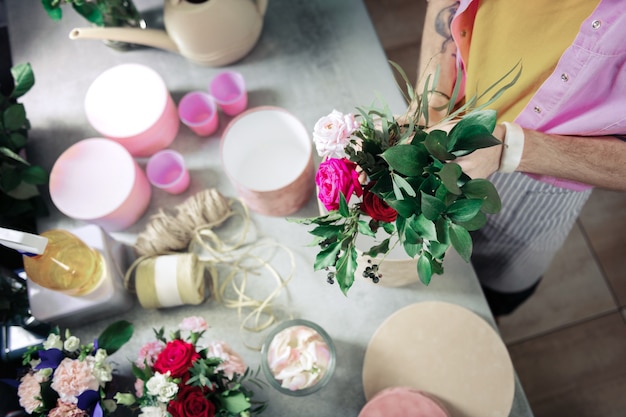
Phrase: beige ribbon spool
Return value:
(170, 280)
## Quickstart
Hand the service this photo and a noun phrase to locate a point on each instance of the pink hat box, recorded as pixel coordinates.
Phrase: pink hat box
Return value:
(98, 181)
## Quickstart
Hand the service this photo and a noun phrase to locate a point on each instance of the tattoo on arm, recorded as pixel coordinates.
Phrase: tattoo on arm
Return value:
(621, 137)
(443, 22)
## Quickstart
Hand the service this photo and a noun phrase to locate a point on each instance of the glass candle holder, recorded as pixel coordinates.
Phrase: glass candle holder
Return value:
(298, 357)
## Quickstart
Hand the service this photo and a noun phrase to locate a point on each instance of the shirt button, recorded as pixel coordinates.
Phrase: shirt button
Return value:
(596, 24)
(564, 77)
(463, 33)
(537, 109)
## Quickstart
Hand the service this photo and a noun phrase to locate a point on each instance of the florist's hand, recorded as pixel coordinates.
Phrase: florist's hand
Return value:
(483, 162)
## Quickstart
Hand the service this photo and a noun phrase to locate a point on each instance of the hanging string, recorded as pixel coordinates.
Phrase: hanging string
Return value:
(220, 233)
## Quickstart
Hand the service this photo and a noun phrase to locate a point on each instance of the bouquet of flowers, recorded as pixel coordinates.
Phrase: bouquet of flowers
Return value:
(397, 177)
(68, 379)
(177, 378)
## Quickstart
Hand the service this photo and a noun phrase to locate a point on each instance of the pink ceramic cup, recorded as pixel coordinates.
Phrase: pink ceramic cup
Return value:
(166, 170)
(228, 88)
(198, 111)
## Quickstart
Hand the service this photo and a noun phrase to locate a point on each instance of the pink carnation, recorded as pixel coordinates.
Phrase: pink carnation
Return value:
(139, 384)
(73, 377)
(232, 362)
(29, 391)
(148, 353)
(66, 410)
(193, 324)
(335, 177)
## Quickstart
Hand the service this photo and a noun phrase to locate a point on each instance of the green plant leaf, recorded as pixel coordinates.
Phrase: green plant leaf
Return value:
(412, 249)
(327, 256)
(115, 336)
(475, 223)
(402, 184)
(235, 403)
(327, 231)
(424, 269)
(8, 153)
(376, 250)
(437, 249)
(470, 124)
(437, 144)
(483, 189)
(449, 175)
(34, 175)
(54, 12)
(17, 140)
(344, 210)
(14, 116)
(90, 12)
(432, 207)
(480, 138)
(422, 226)
(10, 179)
(346, 267)
(365, 229)
(461, 241)
(23, 78)
(404, 159)
(463, 210)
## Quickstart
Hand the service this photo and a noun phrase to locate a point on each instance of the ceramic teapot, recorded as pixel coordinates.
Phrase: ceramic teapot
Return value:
(212, 33)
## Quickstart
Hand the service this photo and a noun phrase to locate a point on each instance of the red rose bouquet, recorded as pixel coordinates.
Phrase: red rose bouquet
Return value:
(396, 177)
(66, 378)
(177, 378)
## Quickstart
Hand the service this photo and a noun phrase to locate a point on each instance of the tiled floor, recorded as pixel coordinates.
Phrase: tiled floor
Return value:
(568, 342)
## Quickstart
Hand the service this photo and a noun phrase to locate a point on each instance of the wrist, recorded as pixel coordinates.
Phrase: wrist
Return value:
(512, 147)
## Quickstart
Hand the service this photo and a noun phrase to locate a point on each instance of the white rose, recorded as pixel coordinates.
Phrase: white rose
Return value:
(71, 344)
(53, 342)
(100, 356)
(160, 387)
(331, 134)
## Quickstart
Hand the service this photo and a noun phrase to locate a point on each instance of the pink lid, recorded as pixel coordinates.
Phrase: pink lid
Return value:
(402, 402)
(97, 180)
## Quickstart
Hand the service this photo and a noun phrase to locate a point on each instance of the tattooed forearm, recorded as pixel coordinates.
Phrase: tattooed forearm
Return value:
(443, 22)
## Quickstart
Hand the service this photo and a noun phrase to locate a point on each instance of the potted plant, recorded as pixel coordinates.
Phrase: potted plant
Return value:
(20, 200)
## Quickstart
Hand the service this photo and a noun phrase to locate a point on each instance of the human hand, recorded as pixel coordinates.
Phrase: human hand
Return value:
(483, 162)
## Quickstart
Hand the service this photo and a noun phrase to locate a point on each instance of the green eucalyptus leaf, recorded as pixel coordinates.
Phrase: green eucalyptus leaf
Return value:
(54, 12)
(437, 144)
(346, 267)
(14, 116)
(344, 210)
(8, 153)
(461, 241)
(405, 208)
(235, 402)
(432, 207)
(438, 249)
(376, 250)
(480, 138)
(90, 12)
(388, 227)
(463, 210)
(412, 249)
(402, 184)
(365, 229)
(115, 336)
(327, 256)
(449, 175)
(23, 78)
(404, 159)
(483, 189)
(467, 126)
(327, 231)
(422, 226)
(475, 223)
(17, 140)
(424, 269)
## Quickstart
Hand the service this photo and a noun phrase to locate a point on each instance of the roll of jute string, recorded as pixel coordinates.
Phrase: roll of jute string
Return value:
(176, 249)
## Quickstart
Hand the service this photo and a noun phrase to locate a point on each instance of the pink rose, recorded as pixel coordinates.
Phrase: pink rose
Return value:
(331, 134)
(148, 353)
(335, 177)
(66, 410)
(232, 362)
(29, 391)
(73, 377)
(193, 324)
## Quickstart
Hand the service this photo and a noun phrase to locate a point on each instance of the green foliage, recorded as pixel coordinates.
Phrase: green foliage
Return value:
(18, 178)
(98, 12)
(115, 336)
(414, 172)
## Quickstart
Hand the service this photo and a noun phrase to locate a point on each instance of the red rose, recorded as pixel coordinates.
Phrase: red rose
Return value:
(191, 402)
(376, 208)
(335, 177)
(177, 358)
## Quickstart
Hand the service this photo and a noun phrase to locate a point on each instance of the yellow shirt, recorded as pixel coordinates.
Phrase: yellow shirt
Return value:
(499, 42)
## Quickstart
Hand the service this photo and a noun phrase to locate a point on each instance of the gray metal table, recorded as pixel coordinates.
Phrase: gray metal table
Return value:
(313, 56)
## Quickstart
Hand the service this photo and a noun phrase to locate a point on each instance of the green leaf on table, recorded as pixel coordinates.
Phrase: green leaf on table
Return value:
(432, 207)
(463, 210)
(405, 159)
(483, 189)
(115, 336)
(461, 241)
(449, 175)
(327, 256)
(23, 78)
(424, 269)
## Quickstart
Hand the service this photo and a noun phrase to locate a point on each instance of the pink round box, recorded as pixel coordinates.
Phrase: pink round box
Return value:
(130, 104)
(97, 180)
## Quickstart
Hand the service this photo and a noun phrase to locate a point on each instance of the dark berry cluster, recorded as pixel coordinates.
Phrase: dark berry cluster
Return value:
(371, 271)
